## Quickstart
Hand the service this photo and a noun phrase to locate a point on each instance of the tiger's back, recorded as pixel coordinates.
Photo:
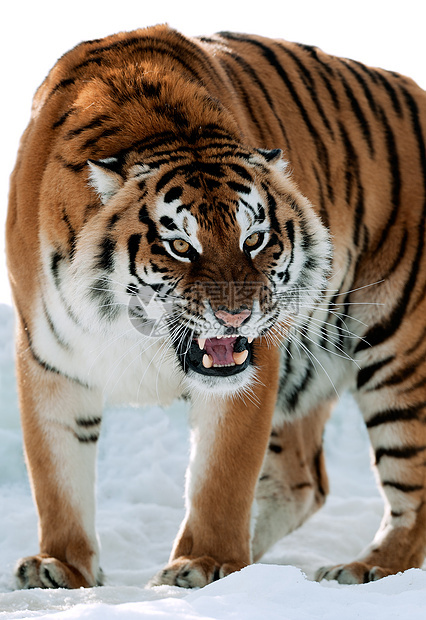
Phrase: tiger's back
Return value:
(184, 133)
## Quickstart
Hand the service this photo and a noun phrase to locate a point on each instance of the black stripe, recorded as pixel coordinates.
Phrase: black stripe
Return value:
(48, 576)
(407, 452)
(88, 422)
(45, 365)
(77, 168)
(105, 257)
(367, 373)
(62, 84)
(94, 124)
(350, 66)
(317, 469)
(272, 209)
(55, 259)
(152, 232)
(168, 223)
(112, 131)
(419, 135)
(364, 125)
(402, 375)
(249, 207)
(289, 225)
(87, 438)
(153, 46)
(420, 296)
(270, 56)
(53, 329)
(61, 120)
(299, 389)
(405, 488)
(242, 172)
(393, 96)
(239, 187)
(323, 69)
(395, 178)
(302, 485)
(159, 250)
(353, 179)
(254, 110)
(396, 415)
(419, 341)
(255, 79)
(176, 51)
(379, 333)
(398, 259)
(168, 176)
(396, 513)
(323, 213)
(133, 248)
(113, 220)
(174, 193)
(309, 82)
(101, 294)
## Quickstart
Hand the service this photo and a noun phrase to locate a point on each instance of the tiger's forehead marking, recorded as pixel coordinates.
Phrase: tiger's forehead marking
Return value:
(176, 220)
(251, 215)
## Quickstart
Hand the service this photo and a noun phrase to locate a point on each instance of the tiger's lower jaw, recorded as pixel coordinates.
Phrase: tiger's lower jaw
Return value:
(219, 365)
(204, 385)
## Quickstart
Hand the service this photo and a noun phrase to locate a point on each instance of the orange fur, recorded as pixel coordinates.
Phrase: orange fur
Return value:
(146, 138)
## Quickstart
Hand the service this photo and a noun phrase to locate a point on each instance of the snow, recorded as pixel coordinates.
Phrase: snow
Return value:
(141, 467)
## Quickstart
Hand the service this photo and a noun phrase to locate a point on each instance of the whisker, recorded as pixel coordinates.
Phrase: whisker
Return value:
(343, 356)
(315, 359)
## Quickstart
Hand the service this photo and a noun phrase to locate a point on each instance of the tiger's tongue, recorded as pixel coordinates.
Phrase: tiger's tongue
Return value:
(220, 349)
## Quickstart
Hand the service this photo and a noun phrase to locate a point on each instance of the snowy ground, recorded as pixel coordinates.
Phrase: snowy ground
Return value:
(142, 459)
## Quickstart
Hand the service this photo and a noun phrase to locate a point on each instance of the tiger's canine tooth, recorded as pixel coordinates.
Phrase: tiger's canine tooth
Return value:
(201, 342)
(250, 340)
(240, 358)
(207, 361)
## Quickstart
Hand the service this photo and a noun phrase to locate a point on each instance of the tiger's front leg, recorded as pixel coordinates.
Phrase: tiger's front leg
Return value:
(60, 420)
(229, 439)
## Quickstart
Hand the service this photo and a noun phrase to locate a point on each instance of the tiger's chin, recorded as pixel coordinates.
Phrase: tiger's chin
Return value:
(221, 385)
(219, 365)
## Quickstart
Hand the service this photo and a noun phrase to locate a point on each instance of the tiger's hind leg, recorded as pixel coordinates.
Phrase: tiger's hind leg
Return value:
(398, 439)
(293, 483)
(60, 420)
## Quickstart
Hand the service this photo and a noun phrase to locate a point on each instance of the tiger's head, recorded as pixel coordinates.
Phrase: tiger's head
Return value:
(209, 246)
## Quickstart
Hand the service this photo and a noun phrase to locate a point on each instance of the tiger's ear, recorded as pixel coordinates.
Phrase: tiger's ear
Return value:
(105, 177)
(275, 157)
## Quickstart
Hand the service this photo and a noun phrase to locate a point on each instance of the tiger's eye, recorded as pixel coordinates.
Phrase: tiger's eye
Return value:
(180, 246)
(252, 240)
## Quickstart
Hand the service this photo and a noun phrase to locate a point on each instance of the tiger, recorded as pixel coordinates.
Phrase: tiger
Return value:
(239, 222)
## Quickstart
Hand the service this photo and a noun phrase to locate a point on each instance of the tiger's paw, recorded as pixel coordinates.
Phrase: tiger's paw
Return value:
(43, 571)
(187, 572)
(356, 572)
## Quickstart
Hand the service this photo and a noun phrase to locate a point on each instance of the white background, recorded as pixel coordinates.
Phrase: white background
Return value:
(143, 454)
(35, 33)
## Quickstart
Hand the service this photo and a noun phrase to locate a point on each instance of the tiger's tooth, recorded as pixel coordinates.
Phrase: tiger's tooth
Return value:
(240, 358)
(201, 342)
(250, 340)
(218, 337)
(207, 361)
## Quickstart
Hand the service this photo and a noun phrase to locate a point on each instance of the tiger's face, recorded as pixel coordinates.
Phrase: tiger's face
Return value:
(214, 252)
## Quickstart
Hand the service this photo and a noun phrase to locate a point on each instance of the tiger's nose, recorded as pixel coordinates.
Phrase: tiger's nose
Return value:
(232, 320)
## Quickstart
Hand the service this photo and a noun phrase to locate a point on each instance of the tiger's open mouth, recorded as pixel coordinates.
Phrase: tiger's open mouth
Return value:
(220, 356)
